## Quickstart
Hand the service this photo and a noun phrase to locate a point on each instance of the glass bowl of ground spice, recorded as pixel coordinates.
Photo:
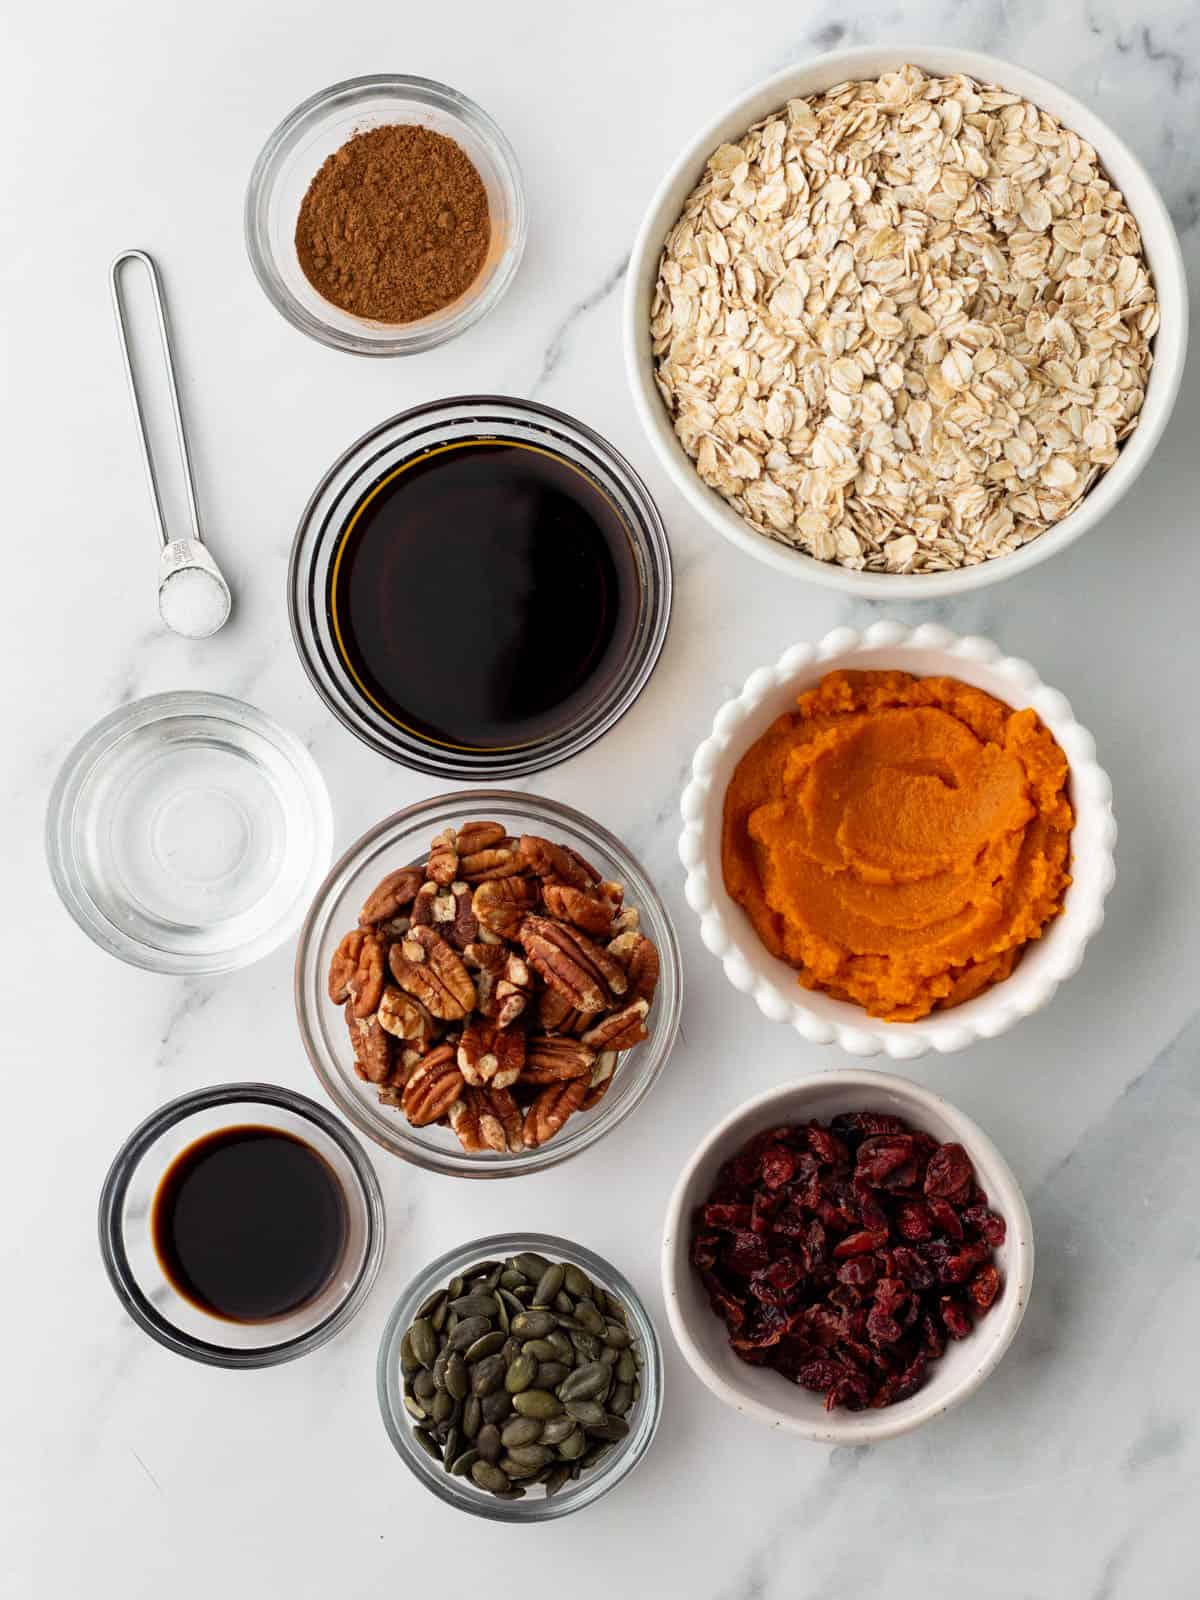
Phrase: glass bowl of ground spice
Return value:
(385, 215)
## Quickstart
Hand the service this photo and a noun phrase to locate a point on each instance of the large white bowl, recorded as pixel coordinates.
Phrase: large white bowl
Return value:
(840, 66)
(766, 1395)
(925, 651)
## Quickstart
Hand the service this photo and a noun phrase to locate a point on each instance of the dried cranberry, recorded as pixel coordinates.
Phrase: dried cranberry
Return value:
(778, 1282)
(879, 1157)
(827, 1147)
(984, 1287)
(945, 1219)
(986, 1224)
(745, 1253)
(913, 1221)
(882, 1329)
(962, 1264)
(866, 1124)
(859, 1271)
(955, 1317)
(865, 1242)
(949, 1171)
(778, 1165)
(728, 1218)
(870, 1213)
(820, 1375)
(762, 1211)
(915, 1271)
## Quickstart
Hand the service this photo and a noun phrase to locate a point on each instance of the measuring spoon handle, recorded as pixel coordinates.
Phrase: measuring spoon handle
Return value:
(172, 389)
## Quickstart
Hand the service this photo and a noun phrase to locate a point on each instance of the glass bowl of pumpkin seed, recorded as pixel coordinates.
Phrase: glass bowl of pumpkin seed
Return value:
(520, 1377)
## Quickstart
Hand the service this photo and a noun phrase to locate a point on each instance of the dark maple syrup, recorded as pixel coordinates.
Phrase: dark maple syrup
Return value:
(485, 594)
(249, 1223)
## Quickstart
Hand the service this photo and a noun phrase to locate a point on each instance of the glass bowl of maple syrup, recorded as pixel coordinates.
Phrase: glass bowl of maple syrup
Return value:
(480, 588)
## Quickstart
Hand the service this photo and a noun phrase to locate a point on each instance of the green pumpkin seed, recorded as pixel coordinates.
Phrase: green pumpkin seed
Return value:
(520, 1430)
(586, 1382)
(554, 1478)
(424, 1385)
(475, 1305)
(563, 1348)
(575, 1281)
(503, 1316)
(423, 1341)
(615, 1308)
(451, 1445)
(550, 1374)
(487, 1375)
(548, 1286)
(481, 1268)
(489, 1476)
(556, 1430)
(534, 1324)
(612, 1429)
(457, 1379)
(427, 1305)
(570, 1324)
(463, 1463)
(472, 1417)
(428, 1444)
(530, 1263)
(497, 1406)
(442, 1407)
(626, 1367)
(621, 1398)
(538, 1403)
(486, 1345)
(587, 1314)
(530, 1458)
(616, 1336)
(468, 1330)
(573, 1446)
(589, 1412)
(541, 1350)
(587, 1346)
(408, 1361)
(456, 1286)
(441, 1315)
(415, 1409)
(487, 1442)
(520, 1374)
(511, 1279)
(514, 1470)
(596, 1453)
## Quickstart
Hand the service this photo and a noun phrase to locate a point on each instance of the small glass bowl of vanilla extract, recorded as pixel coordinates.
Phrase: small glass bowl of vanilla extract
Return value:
(480, 587)
(241, 1226)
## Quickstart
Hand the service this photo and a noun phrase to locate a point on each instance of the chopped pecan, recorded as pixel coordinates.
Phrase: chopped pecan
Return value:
(601, 1080)
(592, 913)
(404, 1063)
(501, 903)
(451, 914)
(427, 968)
(508, 1114)
(356, 972)
(620, 1030)
(405, 1018)
(627, 920)
(549, 860)
(640, 959)
(581, 971)
(490, 1055)
(550, 1110)
(551, 1060)
(556, 1014)
(371, 1045)
(422, 913)
(514, 990)
(390, 897)
(436, 1083)
(442, 866)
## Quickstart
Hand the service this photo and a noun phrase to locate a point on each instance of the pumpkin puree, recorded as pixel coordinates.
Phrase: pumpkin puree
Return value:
(898, 840)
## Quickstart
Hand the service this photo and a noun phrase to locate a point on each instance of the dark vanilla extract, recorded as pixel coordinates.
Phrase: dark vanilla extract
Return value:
(484, 595)
(249, 1223)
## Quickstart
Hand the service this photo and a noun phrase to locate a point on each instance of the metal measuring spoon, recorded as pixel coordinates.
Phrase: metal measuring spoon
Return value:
(193, 597)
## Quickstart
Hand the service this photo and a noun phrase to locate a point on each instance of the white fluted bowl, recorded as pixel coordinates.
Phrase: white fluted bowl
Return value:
(927, 651)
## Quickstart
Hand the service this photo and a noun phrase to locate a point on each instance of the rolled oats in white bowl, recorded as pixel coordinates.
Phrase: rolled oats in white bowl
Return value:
(895, 321)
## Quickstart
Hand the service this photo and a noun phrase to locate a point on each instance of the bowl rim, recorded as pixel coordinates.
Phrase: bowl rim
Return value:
(439, 1271)
(610, 1114)
(431, 331)
(648, 533)
(928, 1403)
(1170, 349)
(116, 1260)
(821, 1019)
(94, 744)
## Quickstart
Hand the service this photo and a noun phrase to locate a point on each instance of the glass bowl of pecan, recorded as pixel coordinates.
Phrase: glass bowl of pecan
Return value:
(847, 1257)
(487, 983)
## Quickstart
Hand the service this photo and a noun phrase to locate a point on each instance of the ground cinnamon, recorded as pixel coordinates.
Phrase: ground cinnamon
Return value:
(395, 225)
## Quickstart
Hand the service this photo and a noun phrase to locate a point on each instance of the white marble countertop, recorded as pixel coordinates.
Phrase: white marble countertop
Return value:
(128, 1472)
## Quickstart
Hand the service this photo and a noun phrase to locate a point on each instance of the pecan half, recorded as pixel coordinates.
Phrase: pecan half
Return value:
(389, 898)
(550, 860)
(590, 912)
(556, 1014)
(404, 1063)
(640, 959)
(426, 967)
(475, 836)
(436, 1083)
(550, 1110)
(488, 1054)
(620, 1030)
(501, 903)
(442, 866)
(356, 972)
(371, 1045)
(486, 1119)
(405, 1018)
(551, 1060)
(498, 861)
(581, 971)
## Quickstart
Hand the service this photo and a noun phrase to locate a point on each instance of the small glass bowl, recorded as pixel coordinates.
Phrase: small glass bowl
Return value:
(187, 832)
(405, 838)
(289, 162)
(379, 453)
(573, 1496)
(127, 1245)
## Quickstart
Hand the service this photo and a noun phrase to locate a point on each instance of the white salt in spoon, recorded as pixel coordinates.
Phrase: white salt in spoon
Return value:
(193, 597)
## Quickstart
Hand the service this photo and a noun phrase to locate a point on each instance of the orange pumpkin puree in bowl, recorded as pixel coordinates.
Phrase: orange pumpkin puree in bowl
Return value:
(899, 840)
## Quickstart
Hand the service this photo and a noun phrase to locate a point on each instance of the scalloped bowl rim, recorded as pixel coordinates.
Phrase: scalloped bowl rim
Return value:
(798, 1412)
(725, 928)
(1160, 241)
